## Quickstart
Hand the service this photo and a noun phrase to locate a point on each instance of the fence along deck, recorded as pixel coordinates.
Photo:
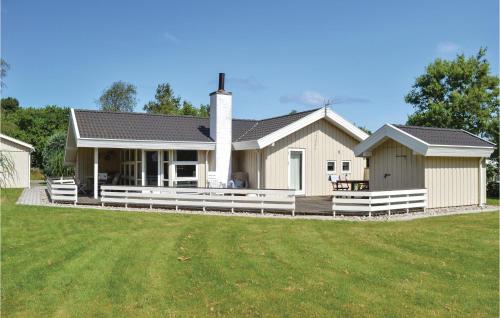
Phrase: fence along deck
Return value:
(62, 189)
(262, 200)
(376, 201)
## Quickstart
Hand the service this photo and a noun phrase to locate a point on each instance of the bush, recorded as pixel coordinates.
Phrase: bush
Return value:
(492, 189)
(53, 156)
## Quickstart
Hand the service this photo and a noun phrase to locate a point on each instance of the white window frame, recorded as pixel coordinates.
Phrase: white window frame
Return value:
(176, 163)
(334, 167)
(342, 166)
(303, 151)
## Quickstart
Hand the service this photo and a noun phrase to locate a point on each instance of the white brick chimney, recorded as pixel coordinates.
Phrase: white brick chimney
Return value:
(221, 120)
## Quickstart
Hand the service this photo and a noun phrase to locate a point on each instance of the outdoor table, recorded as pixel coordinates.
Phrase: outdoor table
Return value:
(354, 185)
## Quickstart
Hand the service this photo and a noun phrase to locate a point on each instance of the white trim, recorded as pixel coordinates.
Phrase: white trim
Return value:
(334, 167)
(144, 144)
(17, 141)
(143, 167)
(342, 166)
(96, 171)
(75, 124)
(258, 169)
(303, 177)
(321, 113)
(419, 146)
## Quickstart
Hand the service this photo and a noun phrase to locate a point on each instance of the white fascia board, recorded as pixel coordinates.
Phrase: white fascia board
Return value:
(18, 142)
(459, 151)
(245, 145)
(75, 124)
(389, 131)
(144, 144)
(291, 128)
(345, 125)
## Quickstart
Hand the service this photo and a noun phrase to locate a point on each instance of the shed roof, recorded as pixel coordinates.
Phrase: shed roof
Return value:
(445, 136)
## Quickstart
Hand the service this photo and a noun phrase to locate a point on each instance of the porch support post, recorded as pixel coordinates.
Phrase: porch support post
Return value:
(96, 172)
(159, 167)
(258, 169)
(143, 167)
(206, 169)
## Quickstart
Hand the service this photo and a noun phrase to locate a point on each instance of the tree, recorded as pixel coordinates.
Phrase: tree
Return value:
(293, 111)
(366, 130)
(4, 67)
(9, 104)
(168, 104)
(119, 97)
(461, 93)
(53, 156)
(165, 101)
(35, 126)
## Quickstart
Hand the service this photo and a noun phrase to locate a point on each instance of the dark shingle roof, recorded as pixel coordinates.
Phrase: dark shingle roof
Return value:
(141, 126)
(445, 136)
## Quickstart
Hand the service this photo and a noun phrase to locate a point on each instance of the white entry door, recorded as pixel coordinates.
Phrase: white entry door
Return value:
(296, 170)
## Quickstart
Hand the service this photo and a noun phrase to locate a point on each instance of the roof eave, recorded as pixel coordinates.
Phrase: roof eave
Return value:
(144, 144)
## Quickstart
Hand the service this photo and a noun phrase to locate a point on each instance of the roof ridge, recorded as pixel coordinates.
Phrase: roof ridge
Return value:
(298, 113)
(136, 113)
(426, 127)
(248, 130)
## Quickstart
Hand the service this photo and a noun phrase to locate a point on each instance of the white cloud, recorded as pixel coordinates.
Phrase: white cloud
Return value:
(249, 83)
(313, 98)
(170, 37)
(447, 48)
(307, 98)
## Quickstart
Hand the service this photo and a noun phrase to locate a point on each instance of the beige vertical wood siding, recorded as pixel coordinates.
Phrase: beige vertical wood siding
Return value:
(321, 141)
(394, 166)
(246, 161)
(452, 181)
(202, 175)
(20, 158)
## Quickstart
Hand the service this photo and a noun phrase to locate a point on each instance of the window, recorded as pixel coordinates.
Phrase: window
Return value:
(187, 155)
(331, 167)
(368, 162)
(346, 166)
(185, 171)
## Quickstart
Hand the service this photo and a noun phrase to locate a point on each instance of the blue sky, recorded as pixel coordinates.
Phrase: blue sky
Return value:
(277, 56)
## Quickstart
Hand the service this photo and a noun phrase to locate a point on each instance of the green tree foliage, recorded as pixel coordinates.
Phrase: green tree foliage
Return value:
(461, 93)
(35, 126)
(366, 130)
(119, 97)
(293, 111)
(9, 104)
(53, 156)
(167, 103)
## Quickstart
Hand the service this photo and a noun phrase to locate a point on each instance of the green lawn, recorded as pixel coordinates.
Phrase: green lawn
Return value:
(85, 263)
(492, 201)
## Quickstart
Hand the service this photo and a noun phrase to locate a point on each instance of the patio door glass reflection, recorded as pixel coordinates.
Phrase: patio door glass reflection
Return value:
(152, 168)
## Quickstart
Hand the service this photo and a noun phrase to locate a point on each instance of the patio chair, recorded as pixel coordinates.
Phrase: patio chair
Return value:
(240, 180)
(116, 178)
(80, 186)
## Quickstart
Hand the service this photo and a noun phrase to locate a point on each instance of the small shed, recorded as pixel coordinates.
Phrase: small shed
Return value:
(449, 163)
(18, 155)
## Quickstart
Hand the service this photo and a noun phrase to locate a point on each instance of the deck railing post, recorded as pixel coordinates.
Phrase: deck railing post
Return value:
(126, 198)
(389, 205)
(407, 203)
(232, 202)
(333, 204)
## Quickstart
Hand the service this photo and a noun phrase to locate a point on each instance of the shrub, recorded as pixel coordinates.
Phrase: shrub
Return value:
(492, 189)
(53, 156)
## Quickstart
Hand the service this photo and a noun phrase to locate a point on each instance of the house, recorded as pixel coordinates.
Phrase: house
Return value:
(18, 157)
(449, 163)
(297, 151)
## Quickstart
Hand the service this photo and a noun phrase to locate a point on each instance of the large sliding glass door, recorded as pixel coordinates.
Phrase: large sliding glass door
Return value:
(152, 168)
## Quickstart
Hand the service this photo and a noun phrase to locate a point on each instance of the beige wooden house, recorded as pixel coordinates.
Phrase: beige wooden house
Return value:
(296, 151)
(449, 163)
(17, 154)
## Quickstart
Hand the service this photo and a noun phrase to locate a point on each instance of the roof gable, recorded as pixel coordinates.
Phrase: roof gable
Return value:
(428, 141)
(17, 142)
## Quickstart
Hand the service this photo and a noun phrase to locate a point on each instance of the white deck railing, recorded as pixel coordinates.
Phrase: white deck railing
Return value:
(62, 189)
(377, 201)
(243, 199)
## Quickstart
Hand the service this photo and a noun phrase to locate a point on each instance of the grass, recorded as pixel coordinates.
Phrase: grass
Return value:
(36, 174)
(86, 263)
(492, 201)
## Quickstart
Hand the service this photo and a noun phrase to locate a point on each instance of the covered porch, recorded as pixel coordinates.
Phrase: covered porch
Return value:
(95, 167)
